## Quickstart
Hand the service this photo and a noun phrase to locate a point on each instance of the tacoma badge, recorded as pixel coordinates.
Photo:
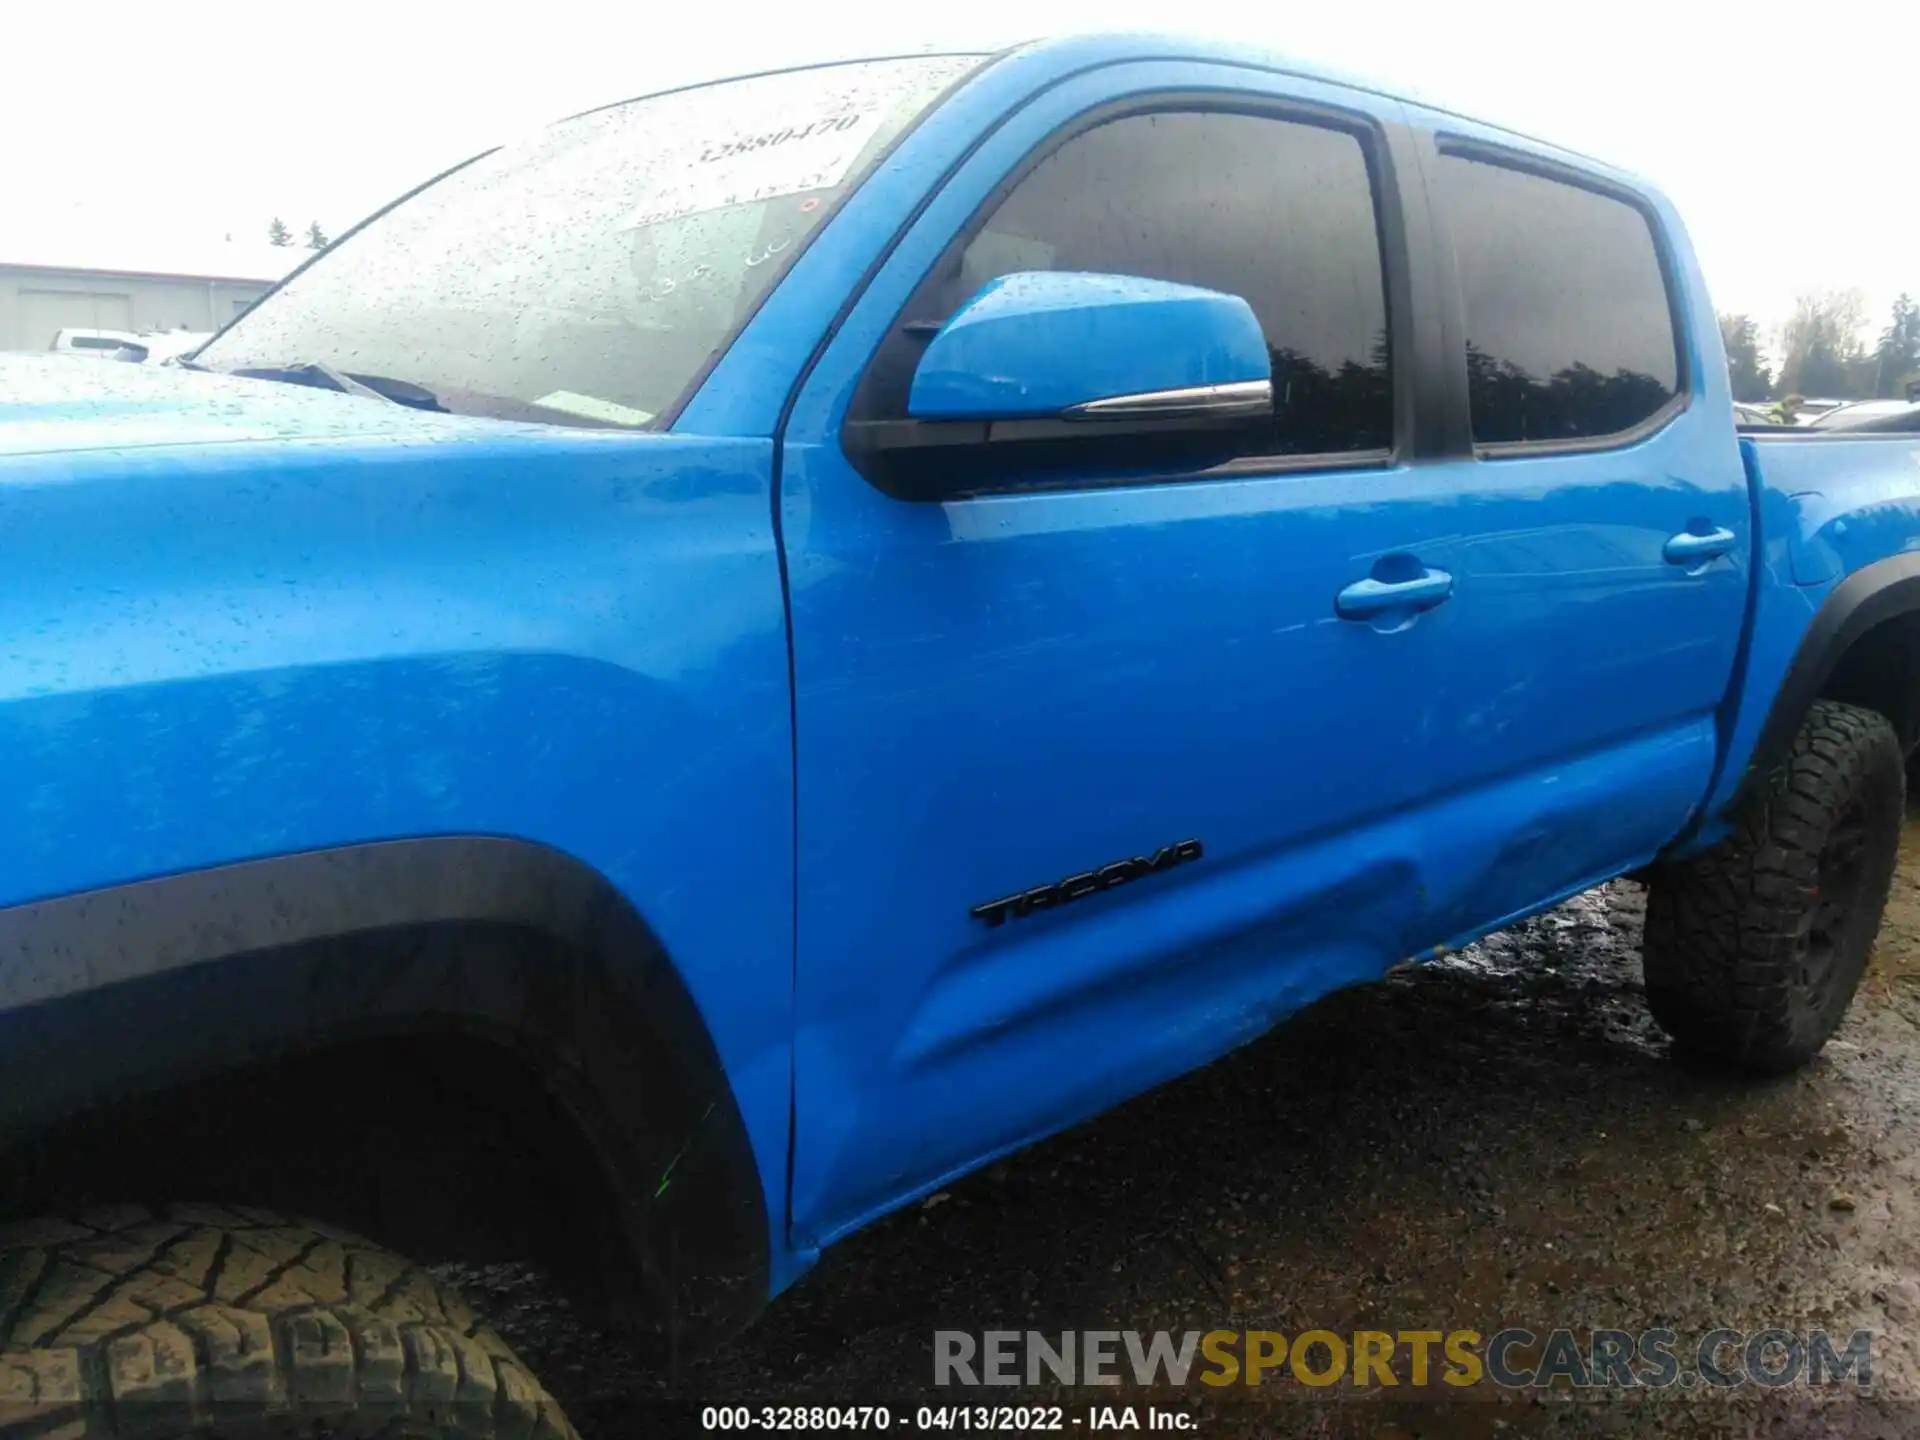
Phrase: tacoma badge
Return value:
(1087, 882)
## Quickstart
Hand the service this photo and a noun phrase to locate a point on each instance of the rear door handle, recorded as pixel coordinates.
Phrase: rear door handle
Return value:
(1687, 548)
(1366, 598)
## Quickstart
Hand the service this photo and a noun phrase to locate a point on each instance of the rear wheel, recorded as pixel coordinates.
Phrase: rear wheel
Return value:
(211, 1321)
(1754, 949)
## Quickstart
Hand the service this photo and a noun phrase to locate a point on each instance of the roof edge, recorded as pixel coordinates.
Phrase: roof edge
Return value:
(135, 274)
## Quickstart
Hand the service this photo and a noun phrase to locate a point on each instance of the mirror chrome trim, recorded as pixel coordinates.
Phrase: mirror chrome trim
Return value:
(1248, 398)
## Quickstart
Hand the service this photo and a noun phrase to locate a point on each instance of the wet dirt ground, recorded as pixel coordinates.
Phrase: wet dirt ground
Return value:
(1499, 1139)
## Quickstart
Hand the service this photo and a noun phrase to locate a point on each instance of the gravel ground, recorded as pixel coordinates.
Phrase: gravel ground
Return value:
(1498, 1139)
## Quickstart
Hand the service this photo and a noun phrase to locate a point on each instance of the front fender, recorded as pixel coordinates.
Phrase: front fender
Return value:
(217, 655)
(128, 990)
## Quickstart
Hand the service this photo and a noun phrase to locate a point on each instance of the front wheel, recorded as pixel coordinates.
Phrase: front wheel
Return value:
(1754, 948)
(208, 1321)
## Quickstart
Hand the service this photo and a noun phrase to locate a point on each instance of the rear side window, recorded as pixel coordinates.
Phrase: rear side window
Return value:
(1278, 212)
(1570, 335)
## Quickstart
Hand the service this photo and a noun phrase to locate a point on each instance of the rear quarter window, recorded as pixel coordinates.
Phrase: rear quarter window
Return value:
(1570, 330)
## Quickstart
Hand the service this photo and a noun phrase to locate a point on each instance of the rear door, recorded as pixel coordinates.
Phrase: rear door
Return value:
(1600, 533)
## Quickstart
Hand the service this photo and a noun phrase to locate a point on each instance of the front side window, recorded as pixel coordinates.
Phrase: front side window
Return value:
(590, 274)
(1278, 212)
(1570, 335)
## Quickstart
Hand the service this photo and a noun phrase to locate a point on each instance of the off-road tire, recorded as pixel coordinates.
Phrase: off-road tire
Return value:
(1754, 949)
(229, 1321)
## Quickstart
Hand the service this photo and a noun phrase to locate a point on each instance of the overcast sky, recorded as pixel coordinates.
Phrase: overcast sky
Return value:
(1787, 138)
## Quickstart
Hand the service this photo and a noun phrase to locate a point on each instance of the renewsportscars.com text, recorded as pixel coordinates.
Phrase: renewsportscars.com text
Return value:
(1514, 1358)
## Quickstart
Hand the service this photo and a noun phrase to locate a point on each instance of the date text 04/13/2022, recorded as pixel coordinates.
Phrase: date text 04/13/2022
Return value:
(984, 1419)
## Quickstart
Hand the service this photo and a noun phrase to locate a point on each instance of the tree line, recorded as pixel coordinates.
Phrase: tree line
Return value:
(279, 235)
(1820, 348)
(1822, 353)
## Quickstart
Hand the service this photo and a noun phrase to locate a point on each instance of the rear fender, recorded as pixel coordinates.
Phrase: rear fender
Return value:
(1838, 559)
(1861, 645)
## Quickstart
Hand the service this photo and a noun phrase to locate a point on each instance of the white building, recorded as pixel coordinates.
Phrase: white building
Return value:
(108, 285)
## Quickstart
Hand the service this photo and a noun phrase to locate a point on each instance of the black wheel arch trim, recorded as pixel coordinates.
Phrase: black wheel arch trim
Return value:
(113, 992)
(1864, 600)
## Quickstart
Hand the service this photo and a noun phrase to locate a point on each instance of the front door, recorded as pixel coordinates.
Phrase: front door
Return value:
(1127, 699)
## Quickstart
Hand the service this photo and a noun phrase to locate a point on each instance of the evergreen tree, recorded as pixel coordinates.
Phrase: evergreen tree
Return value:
(1746, 368)
(1821, 356)
(277, 232)
(1897, 357)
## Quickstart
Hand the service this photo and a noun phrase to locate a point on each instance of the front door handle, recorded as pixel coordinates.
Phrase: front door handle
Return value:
(1687, 548)
(1366, 598)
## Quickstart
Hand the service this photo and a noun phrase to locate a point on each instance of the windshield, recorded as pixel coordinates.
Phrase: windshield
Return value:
(590, 274)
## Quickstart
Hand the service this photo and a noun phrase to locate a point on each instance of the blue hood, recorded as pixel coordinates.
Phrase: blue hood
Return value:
(53, 404)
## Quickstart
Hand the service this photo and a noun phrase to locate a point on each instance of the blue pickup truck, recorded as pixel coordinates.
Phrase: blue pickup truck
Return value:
(789, 637)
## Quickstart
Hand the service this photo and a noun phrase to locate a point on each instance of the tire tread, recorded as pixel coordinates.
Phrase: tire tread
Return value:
(1725, 929)
(225, 1320)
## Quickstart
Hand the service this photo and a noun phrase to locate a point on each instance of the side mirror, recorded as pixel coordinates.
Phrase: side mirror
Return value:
(1044, 343)
(1055, 374)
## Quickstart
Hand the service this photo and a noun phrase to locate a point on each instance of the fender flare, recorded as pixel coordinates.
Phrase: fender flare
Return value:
(1864, 600)
(503, 939)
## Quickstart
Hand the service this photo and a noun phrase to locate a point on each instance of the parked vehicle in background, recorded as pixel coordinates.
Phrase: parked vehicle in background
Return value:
(1871, 415)
(104, 344)
(1807, 411)
(134, 346)
(1755, 415)
(741, 682)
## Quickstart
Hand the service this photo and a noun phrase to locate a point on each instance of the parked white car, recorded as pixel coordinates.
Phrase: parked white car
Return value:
(1840, 414)
(106, 344)
(152, 346)
(1881, 415)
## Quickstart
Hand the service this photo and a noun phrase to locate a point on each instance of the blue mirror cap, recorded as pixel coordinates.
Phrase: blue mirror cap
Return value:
(1041, 343)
